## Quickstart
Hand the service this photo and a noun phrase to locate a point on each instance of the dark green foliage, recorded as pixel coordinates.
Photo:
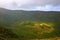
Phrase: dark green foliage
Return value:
(7, 33)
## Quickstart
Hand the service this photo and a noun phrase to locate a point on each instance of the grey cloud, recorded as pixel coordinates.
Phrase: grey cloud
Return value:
(30, 4)
(45, 2)
(23, 3)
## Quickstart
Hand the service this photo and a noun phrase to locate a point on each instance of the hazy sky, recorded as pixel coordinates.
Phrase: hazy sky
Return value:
(46, 5)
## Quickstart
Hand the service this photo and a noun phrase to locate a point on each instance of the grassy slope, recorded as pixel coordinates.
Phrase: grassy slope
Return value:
(11, 19)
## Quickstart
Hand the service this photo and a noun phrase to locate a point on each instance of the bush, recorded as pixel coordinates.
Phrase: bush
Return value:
(7, 33)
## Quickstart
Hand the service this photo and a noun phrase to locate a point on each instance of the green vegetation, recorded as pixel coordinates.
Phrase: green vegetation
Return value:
(7, 34)
(26, 25)
(31, 29)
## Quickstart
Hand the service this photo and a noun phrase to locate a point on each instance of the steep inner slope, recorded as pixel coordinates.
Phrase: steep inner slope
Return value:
(13, 18)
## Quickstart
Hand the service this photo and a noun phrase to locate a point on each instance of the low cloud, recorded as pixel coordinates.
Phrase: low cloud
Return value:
(47, 5)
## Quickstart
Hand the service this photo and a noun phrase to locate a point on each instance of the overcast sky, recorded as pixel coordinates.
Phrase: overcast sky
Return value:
(45, 5)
